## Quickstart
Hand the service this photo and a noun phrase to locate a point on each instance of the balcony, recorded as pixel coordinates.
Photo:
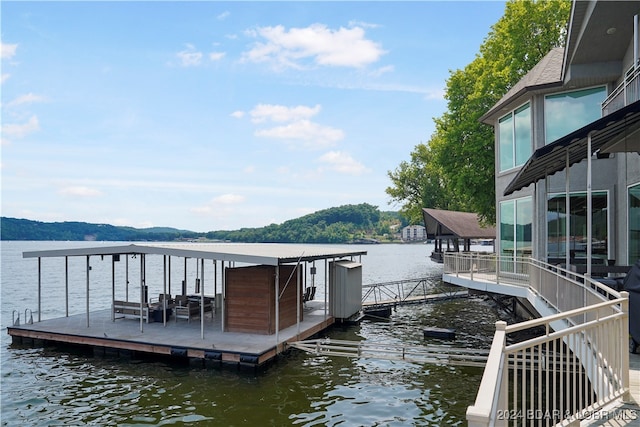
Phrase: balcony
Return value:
(626, 93)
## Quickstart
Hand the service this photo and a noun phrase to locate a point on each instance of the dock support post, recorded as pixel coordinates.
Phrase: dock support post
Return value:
(113, 287)
(201, 298)
(298, 282)
(88, 269)
(277, 297)
(141, 291)
(164, 290)
(66, 285)
(126, 277)
(39, 288)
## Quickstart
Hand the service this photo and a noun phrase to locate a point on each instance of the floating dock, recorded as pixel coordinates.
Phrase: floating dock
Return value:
(179, 339)
(255, 302)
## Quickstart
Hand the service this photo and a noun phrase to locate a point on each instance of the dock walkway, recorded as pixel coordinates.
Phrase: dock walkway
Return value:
(404, 292)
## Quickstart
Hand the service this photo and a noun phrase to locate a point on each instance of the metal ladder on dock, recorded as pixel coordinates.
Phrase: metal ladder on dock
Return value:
(435, 354)
(15, 320)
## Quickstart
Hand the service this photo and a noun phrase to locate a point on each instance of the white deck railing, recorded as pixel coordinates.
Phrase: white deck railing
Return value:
(575, 362)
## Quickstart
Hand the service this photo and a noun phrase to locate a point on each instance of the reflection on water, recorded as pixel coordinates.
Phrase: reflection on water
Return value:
(51, 387)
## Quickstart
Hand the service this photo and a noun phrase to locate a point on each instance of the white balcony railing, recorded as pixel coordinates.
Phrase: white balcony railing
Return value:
(626, 93)
(575, 362)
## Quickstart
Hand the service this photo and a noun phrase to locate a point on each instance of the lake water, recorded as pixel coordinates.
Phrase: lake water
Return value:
(50, 387)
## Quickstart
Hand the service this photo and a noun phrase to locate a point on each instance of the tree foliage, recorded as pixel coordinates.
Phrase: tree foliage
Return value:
(334, 225)
(455, 169)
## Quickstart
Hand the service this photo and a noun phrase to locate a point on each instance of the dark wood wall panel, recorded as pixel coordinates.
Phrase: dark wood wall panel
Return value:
(250, 299)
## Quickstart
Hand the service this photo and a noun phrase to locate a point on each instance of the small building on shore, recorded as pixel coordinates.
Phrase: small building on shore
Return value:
(450, 229)
(414, 233)
(229, 303)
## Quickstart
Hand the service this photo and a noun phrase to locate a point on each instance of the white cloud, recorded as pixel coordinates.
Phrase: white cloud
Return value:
(190, 57)
(222, 206)
(237, 114)
(342, 162)
(229, 199)
(343, 47)
(216, 56)
(26, 99)
(20, 131)
(8, 51)
(281, 113)
(79, 191)
(224, 15)
(5, 77)
(382, 70)
(311, 134)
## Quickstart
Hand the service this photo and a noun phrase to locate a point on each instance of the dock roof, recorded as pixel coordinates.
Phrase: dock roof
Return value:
(465, 225)
(254, 253)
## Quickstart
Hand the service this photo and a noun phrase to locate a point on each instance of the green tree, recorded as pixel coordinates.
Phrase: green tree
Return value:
(455, 169)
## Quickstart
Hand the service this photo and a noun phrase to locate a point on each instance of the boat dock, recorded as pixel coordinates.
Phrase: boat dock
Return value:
(249, 301)
(176, 338)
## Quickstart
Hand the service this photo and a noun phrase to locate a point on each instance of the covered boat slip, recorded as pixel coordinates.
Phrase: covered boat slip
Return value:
(452, 227)
(248, 299)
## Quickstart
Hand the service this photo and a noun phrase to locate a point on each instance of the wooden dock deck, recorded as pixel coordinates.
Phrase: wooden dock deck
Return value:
(179, 339)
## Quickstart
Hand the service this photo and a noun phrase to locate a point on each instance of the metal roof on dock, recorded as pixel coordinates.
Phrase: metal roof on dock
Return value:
(255, 253)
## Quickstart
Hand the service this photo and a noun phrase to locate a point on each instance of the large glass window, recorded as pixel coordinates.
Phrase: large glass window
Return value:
(515, 227)
(557, 227)
(634, 223)
(569, 111)
(514, 132)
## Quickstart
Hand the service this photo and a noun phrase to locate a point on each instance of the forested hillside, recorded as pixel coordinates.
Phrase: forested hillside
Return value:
(335, 225)
(341, 224)
(24, 229)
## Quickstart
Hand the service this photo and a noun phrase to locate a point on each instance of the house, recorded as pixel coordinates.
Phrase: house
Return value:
(586, 93)
(567, 144)
(414, 233)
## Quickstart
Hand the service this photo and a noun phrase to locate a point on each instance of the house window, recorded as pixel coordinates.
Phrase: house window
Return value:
(557, 226)
(516, 217)
(514, 132)
(634, 223)
(569, 111)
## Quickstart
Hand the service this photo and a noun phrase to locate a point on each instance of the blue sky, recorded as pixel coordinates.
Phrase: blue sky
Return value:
(220, 115)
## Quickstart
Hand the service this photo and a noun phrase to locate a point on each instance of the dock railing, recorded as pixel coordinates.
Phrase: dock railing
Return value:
(576, 361)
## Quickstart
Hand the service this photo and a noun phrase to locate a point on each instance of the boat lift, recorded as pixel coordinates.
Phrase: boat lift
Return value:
(431, 354)
(434, 354)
